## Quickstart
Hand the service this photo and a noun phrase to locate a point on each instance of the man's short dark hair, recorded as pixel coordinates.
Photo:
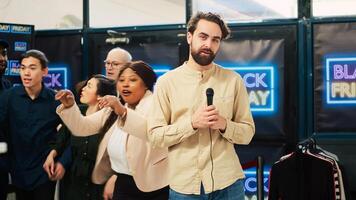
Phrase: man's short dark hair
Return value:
(211, 17)
(4, 44)
(36, 54)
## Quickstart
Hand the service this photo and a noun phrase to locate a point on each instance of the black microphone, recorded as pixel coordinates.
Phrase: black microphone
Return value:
(209, 96)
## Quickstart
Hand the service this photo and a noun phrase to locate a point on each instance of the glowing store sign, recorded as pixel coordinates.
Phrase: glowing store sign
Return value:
(13, 68)
(160, 69)
(260, 82)
(250, 182)
(57, 78)
(341, 80)
(20, 46)
(5, 28)
(21, 29)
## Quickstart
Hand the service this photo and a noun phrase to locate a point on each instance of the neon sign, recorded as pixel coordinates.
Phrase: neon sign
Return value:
(260, 82)
(160, 69)
(5, 28)
(21, 29)
(14, 68)
(57, 78)
(20, 46)
(340, 80)
(250, 182)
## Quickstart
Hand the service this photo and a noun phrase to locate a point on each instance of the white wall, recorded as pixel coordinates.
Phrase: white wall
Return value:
(64, 14)
(112, 13)
(44, 14)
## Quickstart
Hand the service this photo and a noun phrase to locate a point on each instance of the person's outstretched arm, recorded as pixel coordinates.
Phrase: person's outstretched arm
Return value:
(78, 124)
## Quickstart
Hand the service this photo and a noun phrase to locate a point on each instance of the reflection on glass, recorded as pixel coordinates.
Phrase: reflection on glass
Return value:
(248, 10)
(118, 13)
(50, 14)
(325, 8)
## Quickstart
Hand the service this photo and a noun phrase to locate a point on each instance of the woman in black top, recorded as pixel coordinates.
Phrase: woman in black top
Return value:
(77, 183)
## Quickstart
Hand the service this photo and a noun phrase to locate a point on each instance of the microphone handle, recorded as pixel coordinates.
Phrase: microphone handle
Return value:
(210, 100)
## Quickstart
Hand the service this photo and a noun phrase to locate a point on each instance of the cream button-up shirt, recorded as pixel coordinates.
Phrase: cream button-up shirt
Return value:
(177, 95)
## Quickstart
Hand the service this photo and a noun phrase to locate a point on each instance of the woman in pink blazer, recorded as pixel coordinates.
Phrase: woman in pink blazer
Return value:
(124, 151)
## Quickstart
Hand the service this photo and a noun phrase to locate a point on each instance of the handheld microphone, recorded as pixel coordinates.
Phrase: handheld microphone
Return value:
(209, 96)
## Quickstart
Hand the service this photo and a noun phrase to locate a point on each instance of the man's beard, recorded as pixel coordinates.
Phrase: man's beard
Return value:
(203, 60)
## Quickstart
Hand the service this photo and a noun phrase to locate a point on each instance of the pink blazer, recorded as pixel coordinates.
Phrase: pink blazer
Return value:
(148, 166)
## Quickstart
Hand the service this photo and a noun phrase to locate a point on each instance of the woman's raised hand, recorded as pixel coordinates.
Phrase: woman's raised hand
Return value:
(113, 102)
(66, 97)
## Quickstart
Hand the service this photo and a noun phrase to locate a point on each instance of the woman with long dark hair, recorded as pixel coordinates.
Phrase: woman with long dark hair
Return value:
(124, 150)
(77, 183)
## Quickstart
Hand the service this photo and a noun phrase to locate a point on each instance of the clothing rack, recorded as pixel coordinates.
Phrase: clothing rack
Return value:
(308, 173)
(259, 164)
(259, 176)
(307, 144)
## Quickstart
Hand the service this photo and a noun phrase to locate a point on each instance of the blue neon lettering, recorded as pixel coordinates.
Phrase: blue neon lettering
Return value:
(342, 72)
(247, 184)
(259, 80)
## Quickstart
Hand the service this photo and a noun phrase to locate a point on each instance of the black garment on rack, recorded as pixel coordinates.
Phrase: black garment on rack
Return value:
(301, 177)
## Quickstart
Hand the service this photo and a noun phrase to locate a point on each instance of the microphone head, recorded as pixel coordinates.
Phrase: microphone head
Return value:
(209, 92)
(209, 96)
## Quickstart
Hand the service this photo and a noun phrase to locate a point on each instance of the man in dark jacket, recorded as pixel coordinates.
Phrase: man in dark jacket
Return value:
(4, 84)
(28, 114)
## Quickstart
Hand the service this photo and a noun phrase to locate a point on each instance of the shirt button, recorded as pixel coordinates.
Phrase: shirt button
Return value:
(86, 141)
(85, 153)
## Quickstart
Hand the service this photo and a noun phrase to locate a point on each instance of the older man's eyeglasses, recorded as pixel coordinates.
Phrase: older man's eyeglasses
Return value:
(112, 64)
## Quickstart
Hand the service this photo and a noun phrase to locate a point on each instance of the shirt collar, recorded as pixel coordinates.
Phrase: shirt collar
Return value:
(204, 74)
(43, 93)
